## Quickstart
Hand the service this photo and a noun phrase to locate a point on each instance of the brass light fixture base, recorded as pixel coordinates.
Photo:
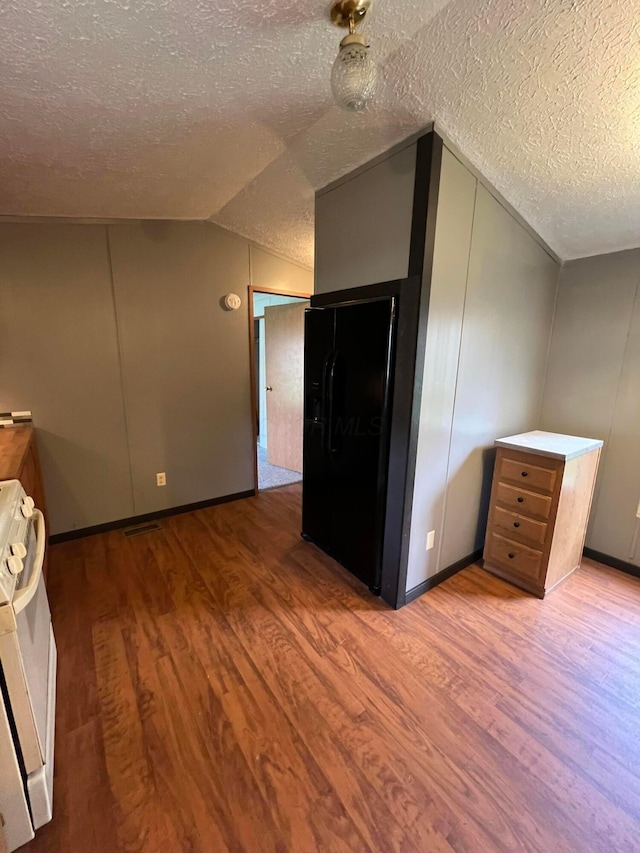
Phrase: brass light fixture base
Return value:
(347, 13)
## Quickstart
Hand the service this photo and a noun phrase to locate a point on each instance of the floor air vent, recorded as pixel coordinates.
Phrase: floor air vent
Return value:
(142, 528)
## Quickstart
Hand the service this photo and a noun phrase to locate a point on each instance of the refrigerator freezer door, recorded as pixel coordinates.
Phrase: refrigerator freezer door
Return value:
(317, 489)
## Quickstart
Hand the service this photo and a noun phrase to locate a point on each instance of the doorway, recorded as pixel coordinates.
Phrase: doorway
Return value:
(277, 360)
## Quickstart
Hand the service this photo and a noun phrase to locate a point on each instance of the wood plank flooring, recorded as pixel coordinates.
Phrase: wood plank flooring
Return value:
(224, 686)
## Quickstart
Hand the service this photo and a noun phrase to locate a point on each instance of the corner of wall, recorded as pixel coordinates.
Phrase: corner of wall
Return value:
(540, 417)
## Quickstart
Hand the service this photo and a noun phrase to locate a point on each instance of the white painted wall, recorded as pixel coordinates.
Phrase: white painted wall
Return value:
(493, 292)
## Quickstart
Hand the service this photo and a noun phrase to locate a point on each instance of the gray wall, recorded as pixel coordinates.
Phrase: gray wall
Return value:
(363, 225)
(268, 270)
(184, 360)
(593, 386)
(454, 224)
(161, 384)
(59, 358)
(493, 291)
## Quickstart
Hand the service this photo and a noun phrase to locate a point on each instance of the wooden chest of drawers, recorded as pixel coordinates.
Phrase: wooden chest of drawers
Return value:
(540, 500)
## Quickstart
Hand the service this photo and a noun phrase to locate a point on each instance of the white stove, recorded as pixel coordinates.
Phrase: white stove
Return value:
(16, 512)
(27, 670)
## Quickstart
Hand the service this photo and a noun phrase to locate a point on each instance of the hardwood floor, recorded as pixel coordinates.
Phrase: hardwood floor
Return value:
(224, 686)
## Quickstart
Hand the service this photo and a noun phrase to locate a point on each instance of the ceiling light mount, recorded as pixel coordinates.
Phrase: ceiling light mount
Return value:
(354, 75)
(348, 13)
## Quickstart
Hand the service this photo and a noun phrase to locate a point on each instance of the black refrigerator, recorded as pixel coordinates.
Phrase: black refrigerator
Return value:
(349, 353)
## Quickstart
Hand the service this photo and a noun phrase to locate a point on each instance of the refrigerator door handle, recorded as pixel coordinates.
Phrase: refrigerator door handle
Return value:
(329, 402)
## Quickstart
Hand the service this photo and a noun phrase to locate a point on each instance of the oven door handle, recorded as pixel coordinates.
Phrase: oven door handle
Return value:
(23, 596)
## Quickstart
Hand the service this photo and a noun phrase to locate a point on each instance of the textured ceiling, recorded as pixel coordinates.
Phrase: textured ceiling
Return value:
(221, 109)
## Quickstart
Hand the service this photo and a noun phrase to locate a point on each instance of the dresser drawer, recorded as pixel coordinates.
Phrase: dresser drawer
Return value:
(523, 501)
(513, 556)
(519, 526)
(529, 475)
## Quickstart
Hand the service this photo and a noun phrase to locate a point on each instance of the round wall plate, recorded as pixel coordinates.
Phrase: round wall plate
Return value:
(232, 302)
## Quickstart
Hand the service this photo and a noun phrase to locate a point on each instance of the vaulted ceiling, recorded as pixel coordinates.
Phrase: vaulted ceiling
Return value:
(221, 109)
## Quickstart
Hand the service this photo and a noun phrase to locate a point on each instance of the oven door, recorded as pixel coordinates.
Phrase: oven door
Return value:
(29, 663)
(17, 826)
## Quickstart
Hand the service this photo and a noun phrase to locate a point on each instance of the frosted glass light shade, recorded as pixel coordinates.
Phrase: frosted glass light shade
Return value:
(354, 77)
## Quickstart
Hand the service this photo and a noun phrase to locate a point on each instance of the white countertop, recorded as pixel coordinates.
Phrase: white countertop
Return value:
(550, 444)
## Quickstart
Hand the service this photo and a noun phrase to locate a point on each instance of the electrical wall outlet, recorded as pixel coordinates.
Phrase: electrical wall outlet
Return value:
(161, 479)
(431, 539)
(638, 511)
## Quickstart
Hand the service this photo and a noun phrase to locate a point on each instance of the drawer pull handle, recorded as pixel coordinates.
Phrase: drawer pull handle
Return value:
(520, 500)
(525, 473)
(516, 524)
(511, 555)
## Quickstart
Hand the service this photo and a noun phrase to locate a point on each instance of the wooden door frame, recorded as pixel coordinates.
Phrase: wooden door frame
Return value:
(253, 380)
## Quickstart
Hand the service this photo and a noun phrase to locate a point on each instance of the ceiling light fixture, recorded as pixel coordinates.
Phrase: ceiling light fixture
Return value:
(354, 74)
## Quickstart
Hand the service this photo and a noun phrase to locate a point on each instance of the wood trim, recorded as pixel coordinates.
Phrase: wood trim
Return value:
(279, 291)
(612, 562)
(429, 197)
(443, 575)
(69, 535)
(253, 383)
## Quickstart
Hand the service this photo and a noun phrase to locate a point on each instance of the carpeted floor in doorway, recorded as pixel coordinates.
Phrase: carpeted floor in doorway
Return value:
(270, 476)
